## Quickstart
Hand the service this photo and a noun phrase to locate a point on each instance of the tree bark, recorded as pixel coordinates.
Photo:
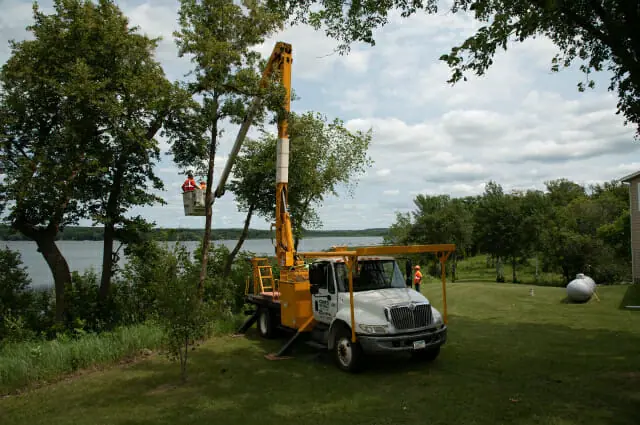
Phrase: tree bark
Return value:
(59, 268)
(208, 200)
(243, 237)
(45, 239)
(109, 233)
(513, 271)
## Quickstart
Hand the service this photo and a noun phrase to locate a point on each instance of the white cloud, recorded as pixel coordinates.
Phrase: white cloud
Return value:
(519, 124)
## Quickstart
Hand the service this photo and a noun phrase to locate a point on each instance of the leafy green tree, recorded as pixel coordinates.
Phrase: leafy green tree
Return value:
(93, 152)
(137, 99)
(438, 219)
(182, 316)
(498, 222)
(591, 234)
(15, 297)
(219, 35)
(562, 192)
(600, 34)
(52, 120)
(323, 156)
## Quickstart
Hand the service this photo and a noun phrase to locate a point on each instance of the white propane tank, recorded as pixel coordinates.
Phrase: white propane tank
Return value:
(581, 289)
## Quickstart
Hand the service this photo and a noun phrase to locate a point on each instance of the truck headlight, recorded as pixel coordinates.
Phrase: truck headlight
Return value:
(373, 329)
(437, 317)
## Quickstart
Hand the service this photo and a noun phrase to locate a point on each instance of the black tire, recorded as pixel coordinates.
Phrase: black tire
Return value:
(348, 356)
(426, 355)
(266, 323)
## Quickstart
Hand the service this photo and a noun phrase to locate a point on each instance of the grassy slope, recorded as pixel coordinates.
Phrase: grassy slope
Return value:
(511, 358)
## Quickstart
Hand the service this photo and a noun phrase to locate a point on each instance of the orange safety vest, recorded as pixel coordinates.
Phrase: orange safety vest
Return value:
(417, 277)
(189, 185)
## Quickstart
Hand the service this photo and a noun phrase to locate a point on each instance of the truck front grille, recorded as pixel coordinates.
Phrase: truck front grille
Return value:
(402, 317)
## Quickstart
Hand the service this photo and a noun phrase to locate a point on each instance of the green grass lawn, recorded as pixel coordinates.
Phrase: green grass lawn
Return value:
(511, 359)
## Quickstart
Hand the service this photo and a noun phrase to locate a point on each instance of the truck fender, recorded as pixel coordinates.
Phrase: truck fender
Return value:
(337, 323)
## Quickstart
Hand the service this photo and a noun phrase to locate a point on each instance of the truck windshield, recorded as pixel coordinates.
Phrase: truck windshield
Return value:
(371, 275)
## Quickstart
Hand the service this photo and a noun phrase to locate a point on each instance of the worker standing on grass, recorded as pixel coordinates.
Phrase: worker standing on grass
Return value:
(189, 184)
(417, 278)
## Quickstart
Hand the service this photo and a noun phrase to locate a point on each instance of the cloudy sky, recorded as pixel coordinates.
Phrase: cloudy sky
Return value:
(519, 125)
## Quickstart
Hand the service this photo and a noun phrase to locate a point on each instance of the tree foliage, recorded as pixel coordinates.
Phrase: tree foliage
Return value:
(324, 155)
(572, 229)
(219, 35)
(182, 315)
(74, 111)
(599, 34)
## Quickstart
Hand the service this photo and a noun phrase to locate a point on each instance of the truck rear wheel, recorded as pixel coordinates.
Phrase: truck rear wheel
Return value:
(347, 355)
(266, 323)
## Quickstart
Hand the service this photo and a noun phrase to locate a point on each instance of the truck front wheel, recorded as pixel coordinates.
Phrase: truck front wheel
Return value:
(347, 355)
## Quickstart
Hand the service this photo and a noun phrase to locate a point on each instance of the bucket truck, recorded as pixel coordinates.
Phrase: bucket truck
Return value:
(348, 301)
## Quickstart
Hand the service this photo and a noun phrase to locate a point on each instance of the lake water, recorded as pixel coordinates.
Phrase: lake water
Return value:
(82, 255)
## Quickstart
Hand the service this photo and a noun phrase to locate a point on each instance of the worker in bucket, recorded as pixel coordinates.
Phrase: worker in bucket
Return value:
(417, 278)
(189, 184)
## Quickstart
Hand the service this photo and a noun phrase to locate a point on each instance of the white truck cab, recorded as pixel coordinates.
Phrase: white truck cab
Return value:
(389, 316)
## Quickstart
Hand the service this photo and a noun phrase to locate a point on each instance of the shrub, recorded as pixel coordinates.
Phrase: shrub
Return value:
(183, 316)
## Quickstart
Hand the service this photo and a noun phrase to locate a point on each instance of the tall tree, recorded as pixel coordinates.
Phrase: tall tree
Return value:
(438, 219)
(323, 156)
(220, 35)
(137, 100)
(602, 34)
(55, 112)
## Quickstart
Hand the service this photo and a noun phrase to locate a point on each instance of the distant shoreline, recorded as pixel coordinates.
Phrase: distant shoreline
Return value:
(77, 233)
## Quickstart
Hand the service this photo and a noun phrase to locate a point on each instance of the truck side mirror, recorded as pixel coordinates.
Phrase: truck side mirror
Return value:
(408, 269)
(314, 289)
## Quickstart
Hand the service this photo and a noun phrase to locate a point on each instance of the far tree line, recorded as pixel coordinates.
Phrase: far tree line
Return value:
(568, 228)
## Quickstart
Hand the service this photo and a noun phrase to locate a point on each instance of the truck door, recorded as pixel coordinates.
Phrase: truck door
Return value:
(324, 297)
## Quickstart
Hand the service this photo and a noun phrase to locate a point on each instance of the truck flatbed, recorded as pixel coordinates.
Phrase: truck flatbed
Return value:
(271, 299)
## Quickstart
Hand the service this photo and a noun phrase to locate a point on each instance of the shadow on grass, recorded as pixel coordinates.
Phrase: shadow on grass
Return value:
(631, 297)
(486, 374)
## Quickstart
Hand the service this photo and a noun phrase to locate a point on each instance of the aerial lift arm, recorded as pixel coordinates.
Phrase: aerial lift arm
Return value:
(284, 237)
(281, 53)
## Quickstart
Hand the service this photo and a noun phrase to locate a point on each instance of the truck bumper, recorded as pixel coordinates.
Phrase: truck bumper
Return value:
(405, 342)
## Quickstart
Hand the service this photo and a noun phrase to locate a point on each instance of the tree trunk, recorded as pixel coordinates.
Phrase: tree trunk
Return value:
(208, 202)
(513, 270)
(454, 267)
(111, 216)
(59, 268)
(107, 262)
(45, 239)
(243, 237)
